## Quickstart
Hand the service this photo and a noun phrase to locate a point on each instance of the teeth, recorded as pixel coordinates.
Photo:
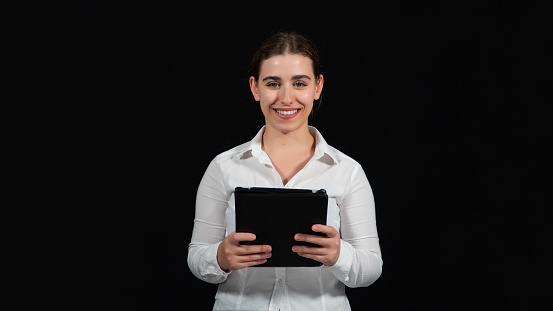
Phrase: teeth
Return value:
(287, 113)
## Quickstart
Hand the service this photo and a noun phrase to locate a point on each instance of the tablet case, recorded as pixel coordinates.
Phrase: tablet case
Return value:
(275, 215)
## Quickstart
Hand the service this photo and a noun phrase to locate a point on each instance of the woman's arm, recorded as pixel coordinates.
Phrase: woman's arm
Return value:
(360, 261)
(209, 227)
(211, 255)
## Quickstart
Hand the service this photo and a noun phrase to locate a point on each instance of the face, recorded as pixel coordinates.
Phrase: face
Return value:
(286, 90)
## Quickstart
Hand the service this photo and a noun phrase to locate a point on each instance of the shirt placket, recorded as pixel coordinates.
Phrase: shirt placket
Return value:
(264, 159)
(278, 299)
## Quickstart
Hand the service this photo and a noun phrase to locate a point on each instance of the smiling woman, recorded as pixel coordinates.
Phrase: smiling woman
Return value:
(287, 91)
(289, 153)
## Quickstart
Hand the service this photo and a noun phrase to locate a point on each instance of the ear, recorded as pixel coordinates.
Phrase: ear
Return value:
(319, 87)
(254, 88)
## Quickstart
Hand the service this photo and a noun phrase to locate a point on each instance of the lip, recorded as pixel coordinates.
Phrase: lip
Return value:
(286, 117)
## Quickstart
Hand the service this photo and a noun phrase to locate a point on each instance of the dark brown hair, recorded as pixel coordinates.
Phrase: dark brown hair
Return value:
(285, 43)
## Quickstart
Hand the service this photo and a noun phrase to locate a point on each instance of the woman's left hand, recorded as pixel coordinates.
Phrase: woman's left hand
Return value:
(329, 249)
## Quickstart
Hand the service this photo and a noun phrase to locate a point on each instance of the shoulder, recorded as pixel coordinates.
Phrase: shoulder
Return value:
(229, 157)
(354, 177)
(331, 154)
(343, 159)
(219, 166)
(348, 166)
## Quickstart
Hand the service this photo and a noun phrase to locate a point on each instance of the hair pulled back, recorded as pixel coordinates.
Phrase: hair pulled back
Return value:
(285, 43)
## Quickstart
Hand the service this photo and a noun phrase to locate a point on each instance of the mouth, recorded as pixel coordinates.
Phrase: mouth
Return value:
(287, 113)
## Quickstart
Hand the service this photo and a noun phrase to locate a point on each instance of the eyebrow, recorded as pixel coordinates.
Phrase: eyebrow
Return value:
(277, 78)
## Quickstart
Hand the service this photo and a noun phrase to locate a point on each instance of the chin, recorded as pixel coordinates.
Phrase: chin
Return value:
(287, 127)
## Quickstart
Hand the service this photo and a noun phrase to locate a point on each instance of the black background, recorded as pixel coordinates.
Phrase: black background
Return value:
(115, 110)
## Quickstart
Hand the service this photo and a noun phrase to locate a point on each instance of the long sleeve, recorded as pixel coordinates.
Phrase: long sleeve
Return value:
(209, 227)
(360, 261)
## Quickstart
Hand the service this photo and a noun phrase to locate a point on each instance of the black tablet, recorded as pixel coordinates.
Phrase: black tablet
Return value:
(275, 215)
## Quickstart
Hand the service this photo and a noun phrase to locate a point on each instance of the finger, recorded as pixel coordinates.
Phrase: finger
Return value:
(328, 230)
(255, 257)
(309, 250)
(241, 265)
(243, 236)
(315, 239)
(322, 257)
(245, 250)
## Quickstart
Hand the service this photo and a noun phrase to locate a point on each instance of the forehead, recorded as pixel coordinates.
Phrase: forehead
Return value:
(287, 65)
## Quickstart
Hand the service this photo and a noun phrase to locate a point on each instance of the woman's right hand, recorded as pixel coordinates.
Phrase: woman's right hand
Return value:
(233, 256)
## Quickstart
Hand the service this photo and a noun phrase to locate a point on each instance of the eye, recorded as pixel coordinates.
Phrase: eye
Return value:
(299, 84)
(273, 84)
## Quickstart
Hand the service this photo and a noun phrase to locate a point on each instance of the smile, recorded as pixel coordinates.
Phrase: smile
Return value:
(286, 112)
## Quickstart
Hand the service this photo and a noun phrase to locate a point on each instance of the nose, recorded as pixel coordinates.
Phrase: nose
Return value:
(286, 96)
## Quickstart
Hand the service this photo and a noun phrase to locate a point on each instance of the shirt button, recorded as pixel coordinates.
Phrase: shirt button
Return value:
(279, 282)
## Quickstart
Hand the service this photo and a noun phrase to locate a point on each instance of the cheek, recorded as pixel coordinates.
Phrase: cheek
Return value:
(267, 98)
(306, 99)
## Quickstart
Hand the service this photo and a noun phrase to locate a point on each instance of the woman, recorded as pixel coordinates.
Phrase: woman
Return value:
(286, 153)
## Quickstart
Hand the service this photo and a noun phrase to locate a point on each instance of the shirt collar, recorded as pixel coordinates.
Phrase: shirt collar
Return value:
(323, 152)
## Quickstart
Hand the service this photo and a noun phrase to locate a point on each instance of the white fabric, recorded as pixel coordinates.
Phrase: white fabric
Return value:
(350, 211)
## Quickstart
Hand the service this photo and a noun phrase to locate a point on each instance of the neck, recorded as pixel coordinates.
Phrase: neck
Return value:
(297, 140)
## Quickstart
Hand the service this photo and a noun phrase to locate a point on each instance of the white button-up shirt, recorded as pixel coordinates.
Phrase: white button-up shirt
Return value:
(350, 211)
